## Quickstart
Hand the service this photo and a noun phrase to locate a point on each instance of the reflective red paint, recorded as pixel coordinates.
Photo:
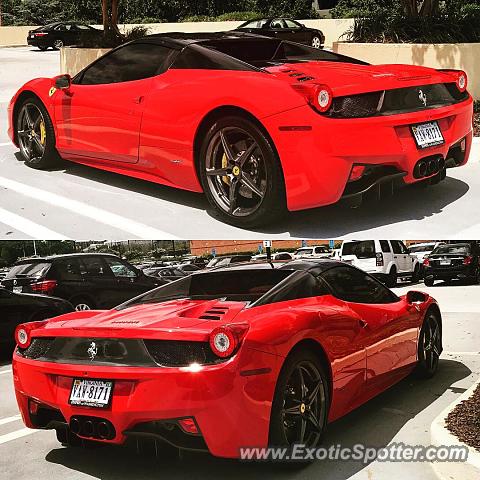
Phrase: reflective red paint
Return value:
(367, 348)
(151, 128)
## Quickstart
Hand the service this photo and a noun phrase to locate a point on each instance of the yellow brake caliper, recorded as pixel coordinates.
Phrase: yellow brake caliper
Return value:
(43, 132)
(225, 178)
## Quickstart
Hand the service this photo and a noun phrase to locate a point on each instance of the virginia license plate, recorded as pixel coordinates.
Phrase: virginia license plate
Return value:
(17, 289)
(445, 262)
(427, 135)
(91, 393)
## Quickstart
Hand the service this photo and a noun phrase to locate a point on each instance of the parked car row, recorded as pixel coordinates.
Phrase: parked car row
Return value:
(59, 34)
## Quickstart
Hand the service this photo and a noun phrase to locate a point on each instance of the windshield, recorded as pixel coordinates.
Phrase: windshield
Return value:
(34, 269)
(452, 250)
(421, 248)
(361, 249)
(304, 251)
(237, 285)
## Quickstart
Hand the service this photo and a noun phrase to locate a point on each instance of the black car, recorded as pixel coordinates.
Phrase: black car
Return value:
(228, 260)
(171, 273)
(59, 34)
(454, 261)
(284, 29)
(87, 280)
(16, 308)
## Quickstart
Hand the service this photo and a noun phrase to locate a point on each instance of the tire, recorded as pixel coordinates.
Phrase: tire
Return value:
(43, 48)
(416, 274)
(38, 114)
(82, 303)
(248, 207)
(392, 278)
(58, 44)
(429, 345)
(38, 317)
(279, 421)
(475, 280)
(429, 281)
(316, 42)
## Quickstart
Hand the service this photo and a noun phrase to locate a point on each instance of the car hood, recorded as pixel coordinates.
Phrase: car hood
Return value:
(349, 78)
(173, 319)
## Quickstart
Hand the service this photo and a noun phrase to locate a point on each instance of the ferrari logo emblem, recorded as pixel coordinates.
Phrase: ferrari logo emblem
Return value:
(422, 97)
(236, 170)
(92, 351)
(302, 408)
(52, 91)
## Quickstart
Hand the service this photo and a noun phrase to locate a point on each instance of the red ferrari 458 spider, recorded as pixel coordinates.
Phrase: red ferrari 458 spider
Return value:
(259, 124)
(224, 359)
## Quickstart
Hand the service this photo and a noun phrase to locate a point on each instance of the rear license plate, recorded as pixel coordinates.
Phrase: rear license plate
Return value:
(427, 135)
(17, 289)
(91, 393)
(445, 262)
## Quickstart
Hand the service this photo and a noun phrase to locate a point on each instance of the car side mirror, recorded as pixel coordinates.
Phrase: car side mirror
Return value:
(63, 82)
(416, 297)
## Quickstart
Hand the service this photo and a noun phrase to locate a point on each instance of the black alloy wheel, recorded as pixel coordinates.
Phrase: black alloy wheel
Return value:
(35, 135)
(241, 174)
(300, 406)
(429, 345)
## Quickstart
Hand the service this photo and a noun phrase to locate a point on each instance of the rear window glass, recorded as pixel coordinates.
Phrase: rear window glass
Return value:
(262, 52)
(421, 248)
(452, 249)
(229, 285)
(361, 249)
(34, 269)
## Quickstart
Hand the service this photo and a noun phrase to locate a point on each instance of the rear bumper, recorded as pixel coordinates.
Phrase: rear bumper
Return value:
(317, 159)
(231, 409)
(461, 272)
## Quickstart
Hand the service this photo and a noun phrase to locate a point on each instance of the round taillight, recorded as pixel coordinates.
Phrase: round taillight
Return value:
(22, 338)
(462, 81)
(222, 342)
(323, 98)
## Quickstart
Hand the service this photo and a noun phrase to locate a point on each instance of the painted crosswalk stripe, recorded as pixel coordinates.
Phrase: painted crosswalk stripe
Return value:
(4, 421)
(4, 372)
(8, 437)
(5, 144)
(28, 227)
(83, 209)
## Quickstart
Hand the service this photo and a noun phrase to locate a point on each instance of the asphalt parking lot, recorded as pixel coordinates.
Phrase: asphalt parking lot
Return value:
(402, 414)
(78, 202)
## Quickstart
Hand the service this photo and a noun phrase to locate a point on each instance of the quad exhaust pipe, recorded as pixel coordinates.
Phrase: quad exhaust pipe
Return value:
(426, 167)
(92, 427)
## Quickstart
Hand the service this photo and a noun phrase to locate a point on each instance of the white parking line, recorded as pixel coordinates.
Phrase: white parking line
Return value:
(28, 227)
(102, 216)
(8, 437)
(4, 372)
(3, 421)
(5, 144)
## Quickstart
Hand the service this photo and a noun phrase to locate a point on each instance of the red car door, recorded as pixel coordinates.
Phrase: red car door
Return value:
(100, 116)
(391, 338)
(390, 324)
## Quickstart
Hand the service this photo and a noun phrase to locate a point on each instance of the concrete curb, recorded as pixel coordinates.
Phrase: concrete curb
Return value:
(440, 435)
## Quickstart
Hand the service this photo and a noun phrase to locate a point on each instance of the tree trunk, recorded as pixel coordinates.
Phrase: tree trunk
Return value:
(110, 16)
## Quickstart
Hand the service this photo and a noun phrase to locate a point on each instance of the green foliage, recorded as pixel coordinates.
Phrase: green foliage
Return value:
(224, 17)
(455, 22)
(37, 12)
(363, 8)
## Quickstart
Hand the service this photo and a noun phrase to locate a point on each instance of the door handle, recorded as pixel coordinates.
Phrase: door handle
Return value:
(363, 323)
(138, 100)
